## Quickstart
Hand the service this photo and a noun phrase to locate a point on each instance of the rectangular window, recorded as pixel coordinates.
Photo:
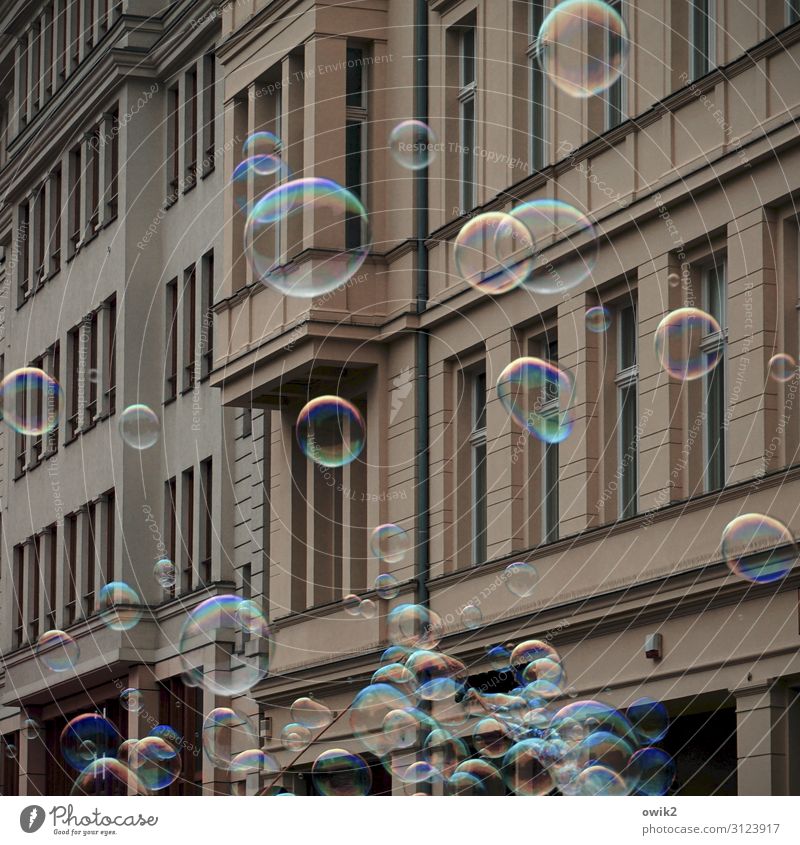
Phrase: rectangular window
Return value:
(74, 198)
(47, 50)
(187, 529)
(170, 523)
(171, 327)
(55, 217)
(23, 255)
(39, 240)
(206, 509)
(207, 316)
(466, 100)
(477, 441)
(91, 557)
(62, 41)
(627, 381)
(71, 561)
(36, 587)
(112, 189)
(714, 291)
(24, 87)
(550, 460)
(173, 136)
(35, 75)
(52, 575)
(37, 399)
(792, 11)
(190, 127)
(111, 522)
(189, 327)
(74, 381)
(538, 91)
(54, 411)
(20, 440)
(19, 588)
(91, 367)
(88, 23)
(94, 175)
(701, 37)
(111, 353)
(615, 96)
(209, 110)
(356, 144)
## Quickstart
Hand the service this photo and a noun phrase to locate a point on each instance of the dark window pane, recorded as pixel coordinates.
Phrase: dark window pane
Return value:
(355, 77)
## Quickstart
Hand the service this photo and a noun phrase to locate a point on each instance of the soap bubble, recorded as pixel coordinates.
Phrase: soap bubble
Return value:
(682, 346)
(32, 729)
(526, 768)
(88, 737)
(367, 609)
(649, 719)
(311, 713)
(108, 776)
(651, 771)
(413, 144)
(414, 626)
(225, 730)
(261, 144)
(389, 543)
(782, 367)
(368, 712)
(521, 579)
(340, 773)
(471, 616)
(351, 604)
(57, 650)
(30, 401)
(331, 431)
(295, 737)
(164, 573)
(131, 700)
(758, 548)
(386, 586)
(139, 427)
(120, 606)
(598, 319)
(254, 760)
(155, 762)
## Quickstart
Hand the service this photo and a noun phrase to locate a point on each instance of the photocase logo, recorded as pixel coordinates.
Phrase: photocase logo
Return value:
(402, 385)
(31, 818)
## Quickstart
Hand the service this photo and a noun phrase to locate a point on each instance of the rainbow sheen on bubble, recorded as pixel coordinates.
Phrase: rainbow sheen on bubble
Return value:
(261, 144)
(131, 700)
(688, 343)
(164, 573)
(390, 543)
(108, 776)
(312, 215)
(254, 760)
(31, 401)
(351, 603)
(340, 773)
(413, 144)
(758, 548)
(57, 650)
(526, 768)
(387, 586)
(499, 657)
(651, 771)
(444, 751)
(539, 397)
(438, 676)
(471, 617)
(397, 675)
(155, 762)
(573, 236)
(367, 609)
(414, 626)
(521, 579)
(311, 713)
(225, 730)
(649, 718)
(368, 712)
(330, 431)
(120, 606)
(216, 620)
(600, 780)
(494, 252)
(583, 47)
(87, 738)
(139, 427)
(254, 176)
(295, 737)
(491, 737)
(782, 367)
(598, 319)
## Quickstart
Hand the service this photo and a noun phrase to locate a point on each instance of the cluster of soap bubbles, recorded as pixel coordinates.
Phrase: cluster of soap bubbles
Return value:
(421, 720)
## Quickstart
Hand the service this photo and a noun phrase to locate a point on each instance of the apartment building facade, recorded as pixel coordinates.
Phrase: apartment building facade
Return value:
(685, 168)
(110, 225)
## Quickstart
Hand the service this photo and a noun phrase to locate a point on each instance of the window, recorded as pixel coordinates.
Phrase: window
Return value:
(23, 256)
(75, 179)
(477, 442)
(52, 575)
(701, 37)
(173, 135)
(74, 381)
(111, 522)
(550, 459)
(62, 41)
(71, 560)
(19, 588)
(112, 188)
(190, 127)
(206, 509)
(39, 252)
(111, 361)
(209, 110)
(91, 367)
(538, 90)
(187, 529)
(355, 140)
(55, 217)
(189, 327)
(91, 556)
(626, 382)
(615, 96)
(23, 81)
(792, 11)
(171, 377)
(54, 412)
(88, 23)
(170, 522)
(21, 440)
(466, 100)
(35, 39)
(714, 292)
(74, 12)
(94, 177)
(47, 50)
(207, 316)
(37, 400)
(36, 586)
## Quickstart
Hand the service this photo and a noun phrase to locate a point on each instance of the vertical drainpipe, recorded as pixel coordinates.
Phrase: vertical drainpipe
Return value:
(421, 300)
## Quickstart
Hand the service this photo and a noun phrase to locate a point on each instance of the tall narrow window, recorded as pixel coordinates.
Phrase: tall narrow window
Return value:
(88, 23)
(91, 556)
(792, 11)
(206, 508)
(23, 254)
(111, 353)
(187, 529)
(355, 139)
(627, 380)
(94, 176)
(478, 449)
(550, 458)
(52, 576)
(173, 136)
(62, 41)
(171, 330)
(112, 189)
(74, 381)
(91, 367)
(207, 316)
(190, 127)
(209, 110)
(36, 586)
(615, 96)
(55, 217)
(47, 50)
(19, 589)
(701, 37)
(24, 85)
(111, 522)
(170, 522)
(75, 180)
(71, 561)
(37, 398)
(54, 410)
(538, 90)
(189, 327)
(35, 43)
(39, 240)
(714, 293)
(466, 100)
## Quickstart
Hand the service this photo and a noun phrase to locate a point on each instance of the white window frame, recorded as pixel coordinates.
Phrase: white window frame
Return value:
(712, 39)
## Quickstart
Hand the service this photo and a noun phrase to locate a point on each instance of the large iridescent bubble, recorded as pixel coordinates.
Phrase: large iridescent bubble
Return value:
(156, 762)
(330, 431)
(311, 713)
(120, 606)
(225, 730)
(539, 396)
(108, 776)
(338, 772)
(414, 626)
(758, 548)
(57, 650)
(31, 401)
(87, 738)
(688, 343)
(368, 713)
